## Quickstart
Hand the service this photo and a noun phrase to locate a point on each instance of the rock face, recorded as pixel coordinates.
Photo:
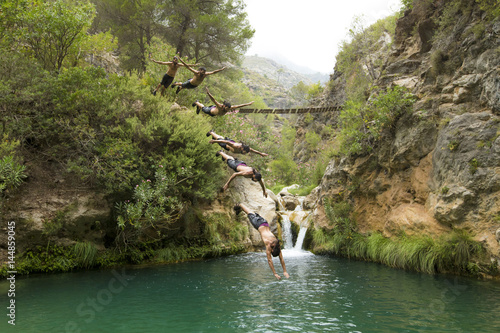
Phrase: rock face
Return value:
(62, 219)
(439, 169)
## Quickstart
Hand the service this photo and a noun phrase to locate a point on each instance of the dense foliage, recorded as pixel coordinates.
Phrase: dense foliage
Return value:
(363, 123)
(208, 31)
(106, 130)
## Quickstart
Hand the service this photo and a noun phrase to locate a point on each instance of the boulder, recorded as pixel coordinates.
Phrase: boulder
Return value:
(290, 202)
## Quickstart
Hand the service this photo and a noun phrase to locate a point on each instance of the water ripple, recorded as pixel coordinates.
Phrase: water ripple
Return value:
(239, 294)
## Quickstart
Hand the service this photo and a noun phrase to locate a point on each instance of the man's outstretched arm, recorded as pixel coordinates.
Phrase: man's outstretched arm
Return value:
(282, 261)
(215, 71)
(263, 188)
(241, 105)
(258, 152)
(271, 265)
(187, 66)
(212, 98)
(231, 179)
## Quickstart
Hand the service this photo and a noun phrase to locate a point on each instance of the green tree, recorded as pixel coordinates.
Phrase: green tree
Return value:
(135, 23)
(314, 91)
(211, 31)
(299, 92)
(53, 30)
(9, 19)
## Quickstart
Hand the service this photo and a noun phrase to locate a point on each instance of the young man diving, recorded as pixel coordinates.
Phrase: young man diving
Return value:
(272, 243)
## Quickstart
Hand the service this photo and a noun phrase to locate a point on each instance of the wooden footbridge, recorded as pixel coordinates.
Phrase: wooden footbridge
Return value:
(294, 111)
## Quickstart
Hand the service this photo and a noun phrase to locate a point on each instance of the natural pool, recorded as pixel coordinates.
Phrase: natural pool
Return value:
(239, 294)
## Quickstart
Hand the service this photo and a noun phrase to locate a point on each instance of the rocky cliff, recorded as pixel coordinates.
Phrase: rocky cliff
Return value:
(439, 168)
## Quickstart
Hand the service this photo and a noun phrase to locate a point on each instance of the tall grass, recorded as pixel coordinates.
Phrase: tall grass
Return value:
(85, 254)
(453, 252)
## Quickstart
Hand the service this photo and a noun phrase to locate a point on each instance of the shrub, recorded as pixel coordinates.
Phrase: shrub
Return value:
(156, 204)
(53, 31)
(312, 139)
(362, 124)
(11, 173)
(473, 166)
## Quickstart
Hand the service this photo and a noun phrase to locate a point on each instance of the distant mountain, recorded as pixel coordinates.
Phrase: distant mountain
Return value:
(282, 73)
(313, 75)
(272, 81)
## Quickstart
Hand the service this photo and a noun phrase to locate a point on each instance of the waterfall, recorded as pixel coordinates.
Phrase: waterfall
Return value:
(287, 231)
(300, 238)
(298, 216)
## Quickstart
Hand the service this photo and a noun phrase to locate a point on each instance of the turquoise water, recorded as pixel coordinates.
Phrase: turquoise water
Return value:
(239, 294)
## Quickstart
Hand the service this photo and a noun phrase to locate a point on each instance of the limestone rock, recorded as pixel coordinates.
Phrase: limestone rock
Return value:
(451, 207)
(290, 202)
(312, 199)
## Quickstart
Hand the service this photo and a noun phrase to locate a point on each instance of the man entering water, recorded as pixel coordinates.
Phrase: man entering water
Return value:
(272, 244)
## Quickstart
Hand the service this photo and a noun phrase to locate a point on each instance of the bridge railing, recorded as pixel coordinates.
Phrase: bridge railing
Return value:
(293, 111)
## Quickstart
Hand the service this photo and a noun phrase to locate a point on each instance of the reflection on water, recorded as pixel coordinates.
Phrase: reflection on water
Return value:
(239, 294)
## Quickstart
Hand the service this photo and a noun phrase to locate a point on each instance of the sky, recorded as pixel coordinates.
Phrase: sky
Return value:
(308, 32)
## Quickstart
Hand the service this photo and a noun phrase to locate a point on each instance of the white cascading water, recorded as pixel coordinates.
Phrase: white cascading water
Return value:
(300, 238)
(299, 218)
(287, 231)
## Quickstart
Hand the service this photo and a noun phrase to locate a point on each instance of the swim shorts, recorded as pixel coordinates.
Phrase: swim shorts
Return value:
(257, 220)
(188, 85)
(233, 164)
(224, 145)
(167, 80)
(207, 109)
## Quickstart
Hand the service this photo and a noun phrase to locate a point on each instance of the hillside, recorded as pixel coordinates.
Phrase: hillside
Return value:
(273, 81)
(281, 73)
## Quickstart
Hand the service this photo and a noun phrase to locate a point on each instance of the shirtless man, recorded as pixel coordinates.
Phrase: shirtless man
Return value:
(219, 109)
(168, 78)
(199, 76)
(270, 241)
(232, 146)
(241, 169)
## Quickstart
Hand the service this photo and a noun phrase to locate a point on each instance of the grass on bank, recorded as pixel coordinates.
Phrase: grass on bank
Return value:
(454, 252)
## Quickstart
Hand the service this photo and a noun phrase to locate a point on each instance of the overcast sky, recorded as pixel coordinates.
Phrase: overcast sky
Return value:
(308, 32)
